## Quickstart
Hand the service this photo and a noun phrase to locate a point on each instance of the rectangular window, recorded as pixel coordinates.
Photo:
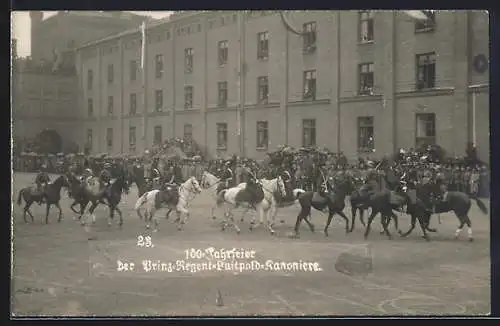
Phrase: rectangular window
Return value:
(263, 46)
(263, 88)
(222, 135)
(188, 131)
(188, 97)
(133, 104)
(366, 141)
(309, 85)
(159, 66)
(90, 79)
(309, 132)
(426, 70)
(309, 37)
(427, 25)
(111, 73)
(89, 138)
(425, 129)
(90, 107)
(159, 100)
(133, 70)
(109, 138)
(365, 26)
(188, 60)
(222, 52)
(131, 139)
(222, 94)
(157, 135)
(110, 106)
(262, 134)
(366, 79)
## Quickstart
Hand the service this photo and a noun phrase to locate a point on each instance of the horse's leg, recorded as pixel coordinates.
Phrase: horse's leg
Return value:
(168, 213)
(308, 221)
(423, 227)
(469, 228)
(341, 213)
(234, 224)
(73, 205)
(111, 214)
(47, 210)
(178, 219)
(362, 216)
(27, 210)
(396, 222)
(412, 226)
(121, 216)
(148, 214)
(460, 227)
(266, 212)
(328, 221)
(302, 214)
(386, 219)
(369, 223)
(60, 212)
(353, 216)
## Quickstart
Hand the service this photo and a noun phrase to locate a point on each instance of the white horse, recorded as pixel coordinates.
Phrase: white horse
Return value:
(211, 183)
(154, 198)
(231, 198)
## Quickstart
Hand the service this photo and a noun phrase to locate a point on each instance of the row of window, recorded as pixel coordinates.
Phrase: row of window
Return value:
(425, 133)
(366, 34)
(425, 76)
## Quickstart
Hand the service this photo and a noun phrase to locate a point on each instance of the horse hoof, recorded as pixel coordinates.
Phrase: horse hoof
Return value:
(365, 236)
(155, 230)
(242, 220)
(250, 228)
(293, 236)
(389, 237)
(282, 221)
(272, 232)
(148, 226)
(213, 217)
(382, 232)
(238, 231)
(326, 234)
(426, 238)
(471, 239)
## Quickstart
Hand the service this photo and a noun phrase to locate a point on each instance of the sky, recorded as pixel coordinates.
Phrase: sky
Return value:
(21, 25)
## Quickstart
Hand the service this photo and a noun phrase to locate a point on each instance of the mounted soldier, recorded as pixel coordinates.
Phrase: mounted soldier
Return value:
(41, 180)
(105, 178)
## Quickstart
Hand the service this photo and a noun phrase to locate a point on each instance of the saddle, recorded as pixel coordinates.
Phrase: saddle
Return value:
(171, 193)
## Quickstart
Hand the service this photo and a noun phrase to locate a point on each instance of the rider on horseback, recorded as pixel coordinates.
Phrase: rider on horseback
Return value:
(105, 178)
(41, 181)
(227, 174)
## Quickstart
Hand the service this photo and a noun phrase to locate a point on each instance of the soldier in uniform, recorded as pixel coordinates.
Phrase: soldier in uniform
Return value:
(41, 180)
(227, 175)
(105, 178)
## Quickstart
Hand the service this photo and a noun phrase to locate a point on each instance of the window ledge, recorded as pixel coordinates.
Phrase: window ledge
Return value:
(264, 59)
(426, 92)
(261, 149)
(425, 30)
(222, 148)
(366, 42)
(365, 151)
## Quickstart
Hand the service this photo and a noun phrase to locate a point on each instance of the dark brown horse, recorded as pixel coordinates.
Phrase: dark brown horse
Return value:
(333, 200)
(51, 193)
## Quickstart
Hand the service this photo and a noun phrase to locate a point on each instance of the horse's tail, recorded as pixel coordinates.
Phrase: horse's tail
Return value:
(481, 205)
(141, 201)
(297, 192)
(20, 197)
(220, 196)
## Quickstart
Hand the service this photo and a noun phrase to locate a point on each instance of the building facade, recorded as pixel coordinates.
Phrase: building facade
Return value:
(364, 83)
(44, 86)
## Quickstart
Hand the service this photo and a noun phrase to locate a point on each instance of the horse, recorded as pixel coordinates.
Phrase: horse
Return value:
(76, 189)
(239, 196)
(214, 185)
(155, 199)
(334, 201)
(51, 193)
(272, 188)
(456, 201)
(113, 195)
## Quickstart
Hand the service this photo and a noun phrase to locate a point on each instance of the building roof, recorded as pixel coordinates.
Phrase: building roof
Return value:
(152, 24)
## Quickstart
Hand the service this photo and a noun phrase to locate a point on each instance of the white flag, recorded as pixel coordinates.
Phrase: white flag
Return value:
(143, 43)
(418, 14)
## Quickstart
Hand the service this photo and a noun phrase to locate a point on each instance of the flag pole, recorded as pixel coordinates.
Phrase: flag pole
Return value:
(144, 84)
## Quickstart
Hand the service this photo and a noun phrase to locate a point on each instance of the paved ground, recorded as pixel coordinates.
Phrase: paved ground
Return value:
(57, 271)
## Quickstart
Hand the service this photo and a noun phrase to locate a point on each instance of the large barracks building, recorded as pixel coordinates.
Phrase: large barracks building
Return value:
(364, 83)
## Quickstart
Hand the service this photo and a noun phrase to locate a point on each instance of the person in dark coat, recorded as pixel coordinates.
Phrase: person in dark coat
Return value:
(41, 180)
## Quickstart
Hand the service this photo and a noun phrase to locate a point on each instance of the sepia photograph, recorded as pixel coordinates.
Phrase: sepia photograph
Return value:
(250, 163)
